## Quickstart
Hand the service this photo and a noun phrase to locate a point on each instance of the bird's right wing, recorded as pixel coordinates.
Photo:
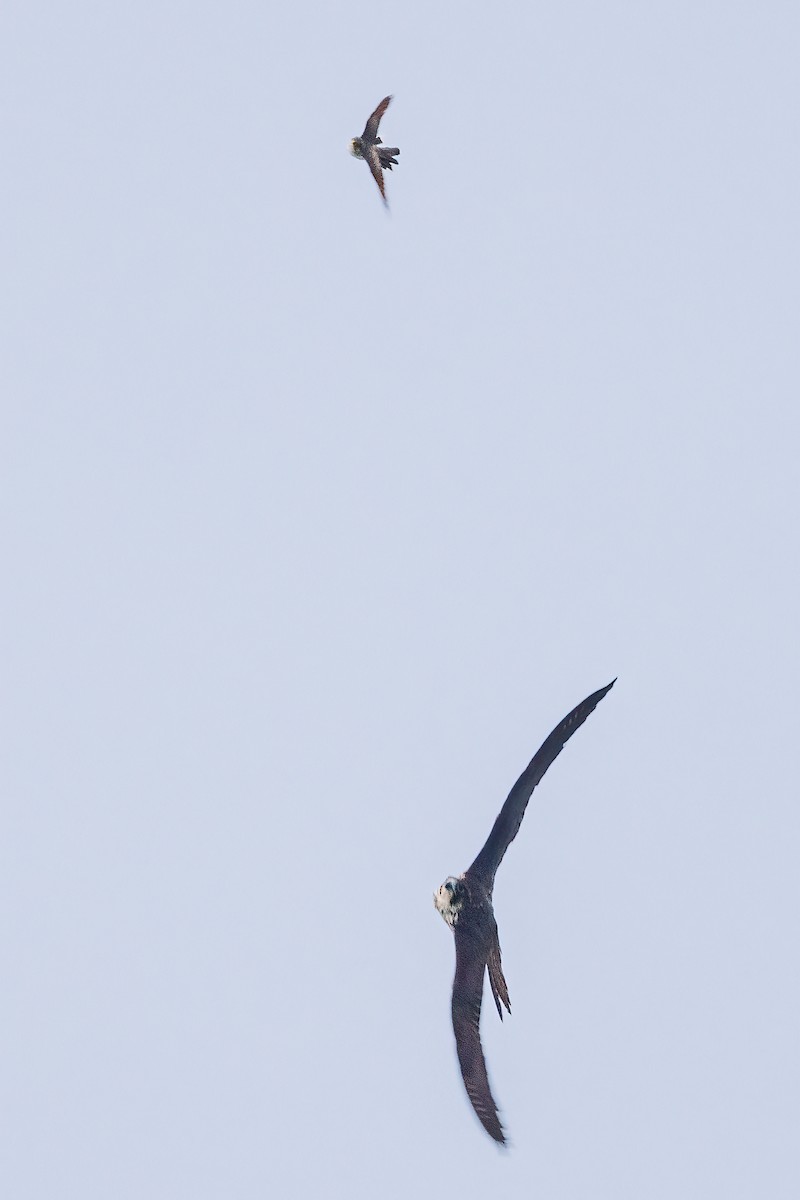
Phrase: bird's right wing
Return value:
(507, 825)
(371, 127)
(467, 997)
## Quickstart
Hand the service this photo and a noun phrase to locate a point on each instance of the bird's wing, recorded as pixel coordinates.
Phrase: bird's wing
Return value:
(371, 127)
(507, 824)
(377, 174)
(467, 996)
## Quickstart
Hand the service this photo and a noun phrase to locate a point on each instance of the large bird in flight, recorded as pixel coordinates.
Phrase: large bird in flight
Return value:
(379, 158)
(466, 905)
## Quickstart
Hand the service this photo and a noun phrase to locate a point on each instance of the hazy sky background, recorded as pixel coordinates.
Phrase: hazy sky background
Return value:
(317, 519)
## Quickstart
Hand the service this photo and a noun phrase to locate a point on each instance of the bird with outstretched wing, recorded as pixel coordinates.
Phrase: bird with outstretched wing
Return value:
(369, 146)
(466, 905)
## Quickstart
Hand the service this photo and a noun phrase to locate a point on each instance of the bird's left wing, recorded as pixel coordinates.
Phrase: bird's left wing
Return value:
(377, 174)
(467, 997)
(507, 825)
(371, 127)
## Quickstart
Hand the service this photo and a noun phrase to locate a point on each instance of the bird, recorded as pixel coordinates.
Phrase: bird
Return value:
(465, 903)
(379, 158)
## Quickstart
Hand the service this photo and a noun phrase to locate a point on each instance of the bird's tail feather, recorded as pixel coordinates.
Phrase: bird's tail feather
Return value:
(387, 156)
(497, 979)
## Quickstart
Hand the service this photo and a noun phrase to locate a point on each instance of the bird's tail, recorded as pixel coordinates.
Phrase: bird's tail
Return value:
(387, 156)
(497, 978)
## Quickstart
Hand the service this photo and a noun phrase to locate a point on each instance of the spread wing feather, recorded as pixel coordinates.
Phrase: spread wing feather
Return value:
(467, 996)
(507, 825)
(377, 174)
(371, 127)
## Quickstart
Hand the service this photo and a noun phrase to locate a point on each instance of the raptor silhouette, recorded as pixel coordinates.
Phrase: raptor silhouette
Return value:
(378, 157)
(466, 905)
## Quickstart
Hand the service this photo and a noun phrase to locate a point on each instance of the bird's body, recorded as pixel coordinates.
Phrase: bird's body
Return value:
(465, 903)
(379, 158)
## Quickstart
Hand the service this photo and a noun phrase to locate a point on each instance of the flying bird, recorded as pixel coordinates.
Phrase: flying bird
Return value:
(379, 158)
(466, 905)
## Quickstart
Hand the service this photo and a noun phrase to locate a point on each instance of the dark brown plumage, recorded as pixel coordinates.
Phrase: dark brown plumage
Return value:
(378, 157)
(466, 905)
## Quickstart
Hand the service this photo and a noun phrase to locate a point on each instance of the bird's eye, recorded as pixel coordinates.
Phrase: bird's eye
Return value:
(449, 887)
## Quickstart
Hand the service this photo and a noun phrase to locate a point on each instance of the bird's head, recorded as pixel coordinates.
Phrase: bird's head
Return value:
(356, 147)
(449, 899)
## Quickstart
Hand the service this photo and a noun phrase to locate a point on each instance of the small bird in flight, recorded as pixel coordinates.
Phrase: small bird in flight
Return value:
(379, 158)
(466, 905)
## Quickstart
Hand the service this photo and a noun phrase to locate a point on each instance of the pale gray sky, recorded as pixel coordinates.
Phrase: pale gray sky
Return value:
(316, 520)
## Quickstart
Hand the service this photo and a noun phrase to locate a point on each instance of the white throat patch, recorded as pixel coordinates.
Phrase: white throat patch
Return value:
(449, 900)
